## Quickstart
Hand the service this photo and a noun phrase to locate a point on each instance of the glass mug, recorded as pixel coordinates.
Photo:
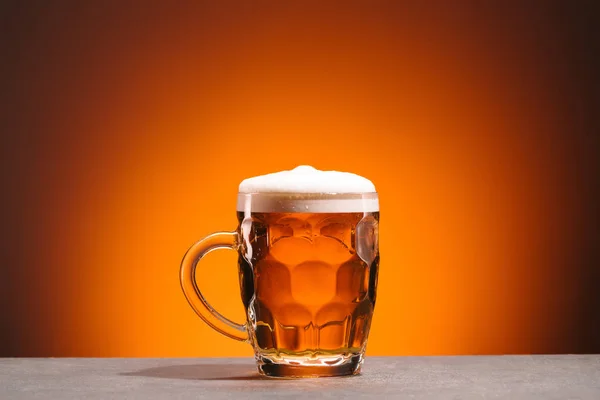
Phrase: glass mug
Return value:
(308, 265)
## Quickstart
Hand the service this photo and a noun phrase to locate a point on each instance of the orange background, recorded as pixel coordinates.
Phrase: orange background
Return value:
(133, 125)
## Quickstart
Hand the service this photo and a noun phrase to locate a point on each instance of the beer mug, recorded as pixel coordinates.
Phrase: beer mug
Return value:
(308, 257)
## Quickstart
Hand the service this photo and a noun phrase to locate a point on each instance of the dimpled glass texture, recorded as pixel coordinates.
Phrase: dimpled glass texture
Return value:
(308, 282)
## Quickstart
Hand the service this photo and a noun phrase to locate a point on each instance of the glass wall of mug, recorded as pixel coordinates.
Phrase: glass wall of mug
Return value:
(308, 267)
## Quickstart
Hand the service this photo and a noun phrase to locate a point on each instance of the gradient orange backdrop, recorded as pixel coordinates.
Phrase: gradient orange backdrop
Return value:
(140, 122)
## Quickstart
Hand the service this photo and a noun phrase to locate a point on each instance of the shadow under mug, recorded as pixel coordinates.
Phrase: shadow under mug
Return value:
(308, 267)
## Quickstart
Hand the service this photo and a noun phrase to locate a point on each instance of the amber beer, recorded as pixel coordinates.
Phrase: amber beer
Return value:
(310, 284)
(308, 252)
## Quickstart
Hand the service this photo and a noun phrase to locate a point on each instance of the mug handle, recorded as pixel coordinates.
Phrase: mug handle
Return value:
(218, 240)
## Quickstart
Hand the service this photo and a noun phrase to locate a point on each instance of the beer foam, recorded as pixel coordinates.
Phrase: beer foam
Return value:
(307, 190)
(306, 179)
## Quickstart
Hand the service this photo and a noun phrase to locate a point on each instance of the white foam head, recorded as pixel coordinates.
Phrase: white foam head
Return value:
(306, 179)
(306, 189)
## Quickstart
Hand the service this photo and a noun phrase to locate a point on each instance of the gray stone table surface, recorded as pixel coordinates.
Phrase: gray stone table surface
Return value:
(460, 377)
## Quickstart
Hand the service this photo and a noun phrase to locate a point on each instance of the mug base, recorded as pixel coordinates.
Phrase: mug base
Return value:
(304, 367)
